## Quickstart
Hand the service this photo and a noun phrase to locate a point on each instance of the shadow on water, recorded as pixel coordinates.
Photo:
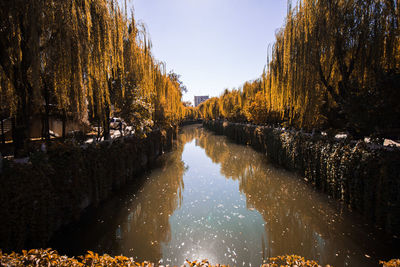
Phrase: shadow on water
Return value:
(214, 199)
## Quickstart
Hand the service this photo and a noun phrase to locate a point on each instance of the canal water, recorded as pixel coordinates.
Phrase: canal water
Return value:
(212, 199)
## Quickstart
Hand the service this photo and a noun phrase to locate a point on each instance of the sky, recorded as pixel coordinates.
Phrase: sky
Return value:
(212, 44)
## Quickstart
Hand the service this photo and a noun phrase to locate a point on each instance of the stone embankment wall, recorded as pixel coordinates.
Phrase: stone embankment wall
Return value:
(364, 177)
(190, 122)
(56, 186)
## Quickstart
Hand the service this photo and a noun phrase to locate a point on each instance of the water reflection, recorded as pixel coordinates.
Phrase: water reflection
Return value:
(146, 225)
(217, 200)
(297, 219)
(133, 224)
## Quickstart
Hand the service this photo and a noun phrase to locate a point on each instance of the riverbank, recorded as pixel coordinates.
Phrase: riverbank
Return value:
(57, 184)
(190, 122)
(364, 177)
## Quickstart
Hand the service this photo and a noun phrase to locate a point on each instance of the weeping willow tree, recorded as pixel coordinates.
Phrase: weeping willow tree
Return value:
(334, 65)
(19, 45)
(150, 95)
(48, 48)
(80, 59)
(191, 113)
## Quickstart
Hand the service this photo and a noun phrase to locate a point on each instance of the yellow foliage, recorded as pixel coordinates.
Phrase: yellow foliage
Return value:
(83, 57)
(48, 257)
(391, 263)
(324, 57)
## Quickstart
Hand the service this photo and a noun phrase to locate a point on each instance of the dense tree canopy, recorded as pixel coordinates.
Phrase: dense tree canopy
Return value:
(334, 65)
(81, 59)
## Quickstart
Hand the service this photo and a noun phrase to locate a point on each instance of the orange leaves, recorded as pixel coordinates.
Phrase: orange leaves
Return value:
(49, 257)
(290, 260)
(203, 263)
(38, 257)
(391, 263)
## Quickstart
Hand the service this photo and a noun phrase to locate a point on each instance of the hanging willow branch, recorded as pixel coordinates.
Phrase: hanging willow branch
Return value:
(334, 64)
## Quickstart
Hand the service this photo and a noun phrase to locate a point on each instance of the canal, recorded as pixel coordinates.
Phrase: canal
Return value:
(212, 199)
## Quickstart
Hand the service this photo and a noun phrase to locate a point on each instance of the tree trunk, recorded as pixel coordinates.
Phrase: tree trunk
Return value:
(46, 114)
(42, 134)
(64, 119)
(13, 134)
(3, 137)
(21, 133)
(106, 129)
(18, 134)
(98, 130)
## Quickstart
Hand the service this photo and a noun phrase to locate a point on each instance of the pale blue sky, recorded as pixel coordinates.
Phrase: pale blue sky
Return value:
(212, 44)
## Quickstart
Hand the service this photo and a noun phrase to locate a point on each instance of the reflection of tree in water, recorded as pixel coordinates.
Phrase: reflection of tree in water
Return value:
(296, 221)
(147, 224)
(188, 134)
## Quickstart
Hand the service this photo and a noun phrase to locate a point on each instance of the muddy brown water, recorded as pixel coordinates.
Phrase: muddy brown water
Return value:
(212, 199)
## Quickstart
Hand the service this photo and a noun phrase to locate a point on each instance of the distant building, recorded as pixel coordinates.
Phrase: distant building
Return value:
(200, 99)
